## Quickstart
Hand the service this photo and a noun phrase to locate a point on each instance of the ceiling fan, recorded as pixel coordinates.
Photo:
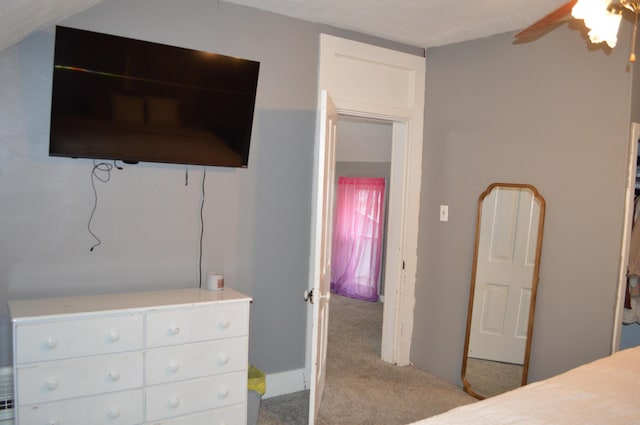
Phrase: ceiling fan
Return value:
(601, 17)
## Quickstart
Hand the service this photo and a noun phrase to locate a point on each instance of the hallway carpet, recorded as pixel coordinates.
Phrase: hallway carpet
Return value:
(361, 388)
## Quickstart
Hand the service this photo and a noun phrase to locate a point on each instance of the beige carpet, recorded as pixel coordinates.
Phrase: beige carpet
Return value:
(361, 388)
(490, 378)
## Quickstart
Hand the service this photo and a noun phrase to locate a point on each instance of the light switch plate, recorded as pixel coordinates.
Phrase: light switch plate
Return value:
(444, 212)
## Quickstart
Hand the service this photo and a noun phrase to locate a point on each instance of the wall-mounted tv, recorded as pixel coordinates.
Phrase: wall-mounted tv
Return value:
(116, 98)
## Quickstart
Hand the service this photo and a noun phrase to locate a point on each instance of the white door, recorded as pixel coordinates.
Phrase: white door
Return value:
(629, 206)
(323, 223)
(504, 275)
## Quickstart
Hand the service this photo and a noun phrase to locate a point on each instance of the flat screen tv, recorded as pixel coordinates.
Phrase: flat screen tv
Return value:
(115, 98)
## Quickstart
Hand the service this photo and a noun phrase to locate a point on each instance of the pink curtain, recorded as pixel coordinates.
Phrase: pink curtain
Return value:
(357, 237)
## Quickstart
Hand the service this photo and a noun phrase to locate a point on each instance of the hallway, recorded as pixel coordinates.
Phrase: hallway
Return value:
(361, 388)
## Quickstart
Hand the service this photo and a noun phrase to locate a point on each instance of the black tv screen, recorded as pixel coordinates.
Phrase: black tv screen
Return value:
(116, 98)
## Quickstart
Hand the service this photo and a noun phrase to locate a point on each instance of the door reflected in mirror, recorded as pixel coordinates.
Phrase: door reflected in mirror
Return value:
(504, 283)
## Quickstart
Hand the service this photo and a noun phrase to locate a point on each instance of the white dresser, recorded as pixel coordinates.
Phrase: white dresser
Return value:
(176, 357)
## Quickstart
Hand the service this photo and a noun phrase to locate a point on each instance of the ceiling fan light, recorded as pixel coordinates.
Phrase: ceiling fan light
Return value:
(606, 30)
(602, 23)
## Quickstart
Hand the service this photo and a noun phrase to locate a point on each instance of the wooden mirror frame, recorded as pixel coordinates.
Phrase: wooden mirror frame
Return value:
(534, 283)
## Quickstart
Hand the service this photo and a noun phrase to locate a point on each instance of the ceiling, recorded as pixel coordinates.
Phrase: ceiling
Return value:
(420, 23)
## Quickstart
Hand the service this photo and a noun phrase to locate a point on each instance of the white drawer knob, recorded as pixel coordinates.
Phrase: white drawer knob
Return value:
(114, 335)
(51, 343)
(52, 384)
(223, 358)
(173, 366)
(224, 323)
(54, 422)
(114, 413)
(174, 329)
(223, 393)
(174, 402)
(114, 375)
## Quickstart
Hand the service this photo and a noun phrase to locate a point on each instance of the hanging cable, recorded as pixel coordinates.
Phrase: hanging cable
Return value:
(104, 169)
(204, 175)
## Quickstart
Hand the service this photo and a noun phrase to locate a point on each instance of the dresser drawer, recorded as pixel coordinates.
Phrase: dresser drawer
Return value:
(122, 408)
(195, 360)
(230, 415)
(62, 339)
(42, 382)
(184, 325)
(185, 397)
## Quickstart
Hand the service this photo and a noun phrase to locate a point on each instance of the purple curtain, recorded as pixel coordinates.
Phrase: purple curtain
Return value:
(357, 237)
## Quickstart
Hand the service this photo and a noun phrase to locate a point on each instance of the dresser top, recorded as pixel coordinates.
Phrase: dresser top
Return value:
(43, 307)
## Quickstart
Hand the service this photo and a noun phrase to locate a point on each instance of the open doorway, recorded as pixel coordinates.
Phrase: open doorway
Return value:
(363, 150)
(626, 331)
(382, 84)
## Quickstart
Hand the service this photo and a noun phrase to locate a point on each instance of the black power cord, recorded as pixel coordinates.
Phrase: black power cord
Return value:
(101, 171)
(204, 175)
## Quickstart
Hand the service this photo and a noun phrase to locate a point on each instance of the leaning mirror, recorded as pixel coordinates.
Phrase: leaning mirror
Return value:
(504, 281)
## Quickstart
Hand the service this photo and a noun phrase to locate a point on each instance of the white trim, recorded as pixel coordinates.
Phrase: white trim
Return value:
(374, 82)
(287, 382)
(394, 274)
(626, 235)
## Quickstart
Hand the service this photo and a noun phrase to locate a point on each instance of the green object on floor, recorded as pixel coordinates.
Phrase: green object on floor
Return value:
(257, 380)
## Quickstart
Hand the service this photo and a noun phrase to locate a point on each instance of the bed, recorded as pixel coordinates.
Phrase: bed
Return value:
(606, 391)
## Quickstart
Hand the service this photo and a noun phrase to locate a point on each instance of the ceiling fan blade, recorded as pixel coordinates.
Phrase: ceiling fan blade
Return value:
(560, 14)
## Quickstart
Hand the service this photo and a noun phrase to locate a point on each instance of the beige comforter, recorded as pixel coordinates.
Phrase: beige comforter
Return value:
(604, 392)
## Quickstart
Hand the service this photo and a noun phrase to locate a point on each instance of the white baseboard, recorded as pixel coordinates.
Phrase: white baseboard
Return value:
(287, 382)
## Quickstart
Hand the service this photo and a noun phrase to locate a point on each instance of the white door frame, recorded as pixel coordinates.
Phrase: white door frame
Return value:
(373, 82)
(626, 235)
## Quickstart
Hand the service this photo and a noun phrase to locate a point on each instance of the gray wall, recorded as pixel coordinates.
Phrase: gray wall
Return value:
(363, 169)
(553, 113)
(147, 218)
